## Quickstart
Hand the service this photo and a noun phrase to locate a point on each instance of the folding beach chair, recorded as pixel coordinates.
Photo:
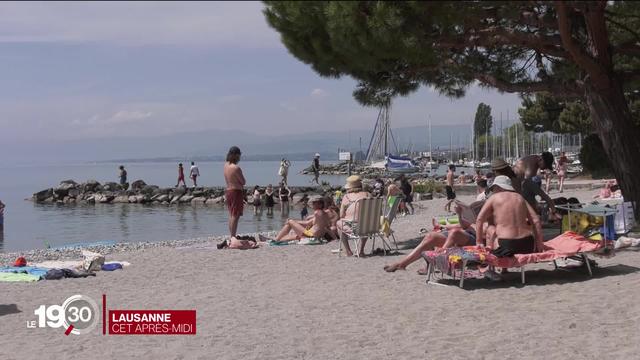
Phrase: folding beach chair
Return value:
(366, 223)
(386, 232)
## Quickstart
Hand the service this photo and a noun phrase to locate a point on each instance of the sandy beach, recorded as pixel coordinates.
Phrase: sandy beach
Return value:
(303, 302)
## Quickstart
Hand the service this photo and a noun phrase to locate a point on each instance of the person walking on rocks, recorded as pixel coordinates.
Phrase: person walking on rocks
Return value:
(181, 176)
(315, 167)
(234, 197)
(283, 171)
(123, 176)
(2, 206)
(194, 172)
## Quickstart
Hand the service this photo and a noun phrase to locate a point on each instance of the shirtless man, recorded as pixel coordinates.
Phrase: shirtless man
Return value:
(315, 227)
(451, 195)
(510, 213)
(528, 166)
(525, 186)
(234, 195)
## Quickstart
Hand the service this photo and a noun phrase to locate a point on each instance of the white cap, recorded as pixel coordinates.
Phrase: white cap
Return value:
(503, 182)
(317, 155)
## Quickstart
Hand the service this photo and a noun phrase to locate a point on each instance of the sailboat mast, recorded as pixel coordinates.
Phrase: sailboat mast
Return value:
(430, 151)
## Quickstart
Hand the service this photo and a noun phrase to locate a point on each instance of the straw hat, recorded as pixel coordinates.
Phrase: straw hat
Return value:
(498, 164)
(353, 182)
(503, 182)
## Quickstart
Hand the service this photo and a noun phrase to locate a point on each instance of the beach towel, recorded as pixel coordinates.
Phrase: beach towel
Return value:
(564, 245)
(31, 270)
(310, 241)
(60, 264)
(17, 277)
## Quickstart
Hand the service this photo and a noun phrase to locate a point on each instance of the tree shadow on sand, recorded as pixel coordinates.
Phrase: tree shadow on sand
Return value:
(543, 277)
(7, 309)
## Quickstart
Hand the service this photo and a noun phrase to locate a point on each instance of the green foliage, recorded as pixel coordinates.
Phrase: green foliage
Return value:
(593, 158)
(544, 112)
(428, 186)
(483, 120)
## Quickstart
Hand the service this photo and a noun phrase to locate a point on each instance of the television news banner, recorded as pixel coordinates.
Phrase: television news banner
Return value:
(80, 314)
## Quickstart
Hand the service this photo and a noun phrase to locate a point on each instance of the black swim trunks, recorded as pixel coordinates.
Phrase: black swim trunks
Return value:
(450, 194)
(510, 247)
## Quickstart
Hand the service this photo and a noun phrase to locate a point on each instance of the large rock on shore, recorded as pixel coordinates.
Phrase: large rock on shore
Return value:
(186, 199)
(199, 200)
(138, 185)
(92, 185)
(41, 196)
(111, 186)
(121, 199)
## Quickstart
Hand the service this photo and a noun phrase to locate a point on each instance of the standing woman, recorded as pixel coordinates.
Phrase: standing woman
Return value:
(181, 175)
(562, 170)
(256, 199)
(284, 194)
(548, 175)
(269, 199)
(283, 171)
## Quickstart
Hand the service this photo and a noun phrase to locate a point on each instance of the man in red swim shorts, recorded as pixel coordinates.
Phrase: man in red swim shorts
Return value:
(234, 196)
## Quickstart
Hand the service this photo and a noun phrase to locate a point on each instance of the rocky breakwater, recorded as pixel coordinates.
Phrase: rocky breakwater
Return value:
(342, 168)
(92, 192)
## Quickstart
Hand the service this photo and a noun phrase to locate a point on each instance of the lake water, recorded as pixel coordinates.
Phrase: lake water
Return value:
(29, 225)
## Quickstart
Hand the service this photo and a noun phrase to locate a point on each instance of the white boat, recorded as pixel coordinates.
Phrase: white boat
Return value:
(378, 165)
(484, 165)
(401, 165)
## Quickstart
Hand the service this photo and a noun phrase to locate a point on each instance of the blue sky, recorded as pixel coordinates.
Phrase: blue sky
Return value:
(91, 69)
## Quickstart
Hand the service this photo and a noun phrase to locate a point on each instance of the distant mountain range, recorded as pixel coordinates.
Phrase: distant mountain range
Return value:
(213, 145)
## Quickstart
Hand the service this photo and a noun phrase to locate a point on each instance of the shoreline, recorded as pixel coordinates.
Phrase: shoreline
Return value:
(62, 253)
(41, 254)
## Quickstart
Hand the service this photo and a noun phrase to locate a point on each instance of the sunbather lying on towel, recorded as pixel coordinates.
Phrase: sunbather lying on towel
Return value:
(316, 227)
(461, 234)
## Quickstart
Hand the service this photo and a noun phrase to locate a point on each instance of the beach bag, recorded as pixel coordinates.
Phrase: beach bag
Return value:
(111, 266)
(92, 261)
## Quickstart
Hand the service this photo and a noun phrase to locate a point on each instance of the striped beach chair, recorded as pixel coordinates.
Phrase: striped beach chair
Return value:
(366, 223)
(386, 232)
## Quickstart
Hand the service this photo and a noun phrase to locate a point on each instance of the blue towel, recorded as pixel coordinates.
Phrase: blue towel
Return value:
(31, 270)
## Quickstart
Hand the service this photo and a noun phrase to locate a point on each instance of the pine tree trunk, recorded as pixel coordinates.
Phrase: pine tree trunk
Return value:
(620, 138)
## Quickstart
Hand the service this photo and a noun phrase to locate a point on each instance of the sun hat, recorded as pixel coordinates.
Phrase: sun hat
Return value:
(353, 182)
(503, 182)
(499, 164)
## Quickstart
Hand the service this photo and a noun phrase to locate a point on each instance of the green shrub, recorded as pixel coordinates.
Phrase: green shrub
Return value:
(428, 186)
